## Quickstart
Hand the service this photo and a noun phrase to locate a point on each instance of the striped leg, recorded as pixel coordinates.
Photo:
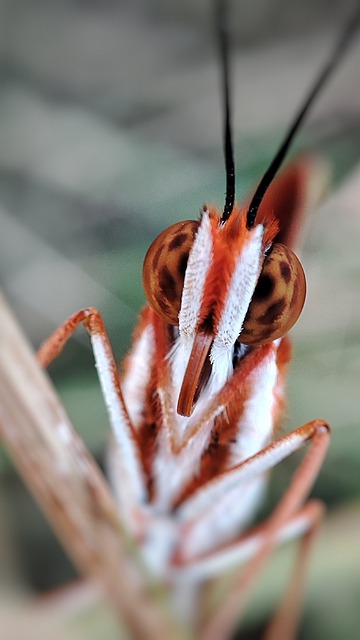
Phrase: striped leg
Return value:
(259, 543)
(126, 437)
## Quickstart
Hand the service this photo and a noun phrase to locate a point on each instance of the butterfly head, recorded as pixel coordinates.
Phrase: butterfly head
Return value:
(222, 284)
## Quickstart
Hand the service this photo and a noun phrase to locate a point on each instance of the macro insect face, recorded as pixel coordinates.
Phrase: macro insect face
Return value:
(200, 433)
(197, 406)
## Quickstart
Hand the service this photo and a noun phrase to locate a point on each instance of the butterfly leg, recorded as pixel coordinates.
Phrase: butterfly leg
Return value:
(126, 437)
(223, 620)
(286, 619)
(304, 525)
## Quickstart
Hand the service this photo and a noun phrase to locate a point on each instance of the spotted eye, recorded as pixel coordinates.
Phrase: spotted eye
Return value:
(164, 269)
(278, 298)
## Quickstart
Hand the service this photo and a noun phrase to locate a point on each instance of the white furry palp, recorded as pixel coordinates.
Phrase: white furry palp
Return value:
(198, 265)
(240, 292)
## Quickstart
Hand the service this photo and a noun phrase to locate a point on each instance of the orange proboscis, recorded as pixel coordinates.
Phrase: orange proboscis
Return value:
(196, 373)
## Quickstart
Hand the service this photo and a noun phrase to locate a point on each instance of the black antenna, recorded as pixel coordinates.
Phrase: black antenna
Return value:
(339, 50)
(223, 35)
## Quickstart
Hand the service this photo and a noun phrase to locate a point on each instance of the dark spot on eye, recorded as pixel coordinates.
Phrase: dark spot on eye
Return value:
(285, 271)
(264, 287)
(183, 264)
(167, 284)
(177, 241)
(274, 312)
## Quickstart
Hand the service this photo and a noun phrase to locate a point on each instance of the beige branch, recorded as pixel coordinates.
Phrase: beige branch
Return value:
(66, 482)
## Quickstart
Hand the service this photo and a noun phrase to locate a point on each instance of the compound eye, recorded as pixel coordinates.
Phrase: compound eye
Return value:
(278, 298)
(164, 269)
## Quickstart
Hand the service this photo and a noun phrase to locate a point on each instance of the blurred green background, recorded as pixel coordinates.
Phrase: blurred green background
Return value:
(110, 130)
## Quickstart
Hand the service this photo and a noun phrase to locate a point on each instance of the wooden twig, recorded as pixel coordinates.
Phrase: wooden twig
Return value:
(67, 483)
